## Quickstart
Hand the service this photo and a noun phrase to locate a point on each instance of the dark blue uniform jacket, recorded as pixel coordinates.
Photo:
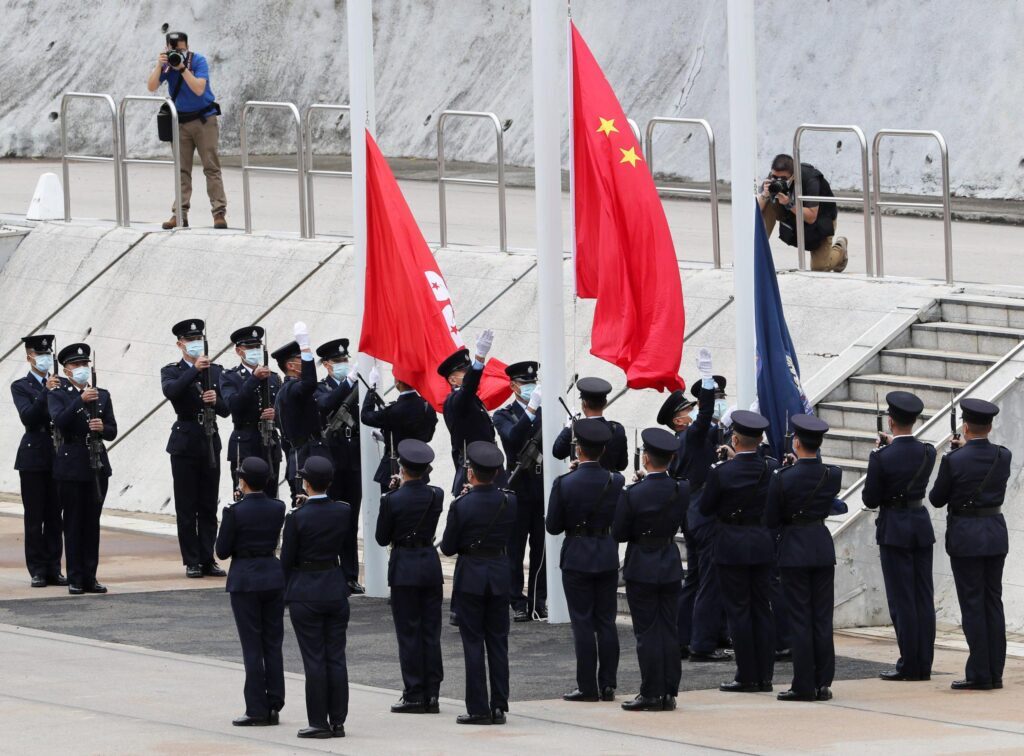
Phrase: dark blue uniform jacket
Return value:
(249, 531)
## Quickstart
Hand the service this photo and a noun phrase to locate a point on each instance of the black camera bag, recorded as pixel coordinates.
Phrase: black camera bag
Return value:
(163, 117)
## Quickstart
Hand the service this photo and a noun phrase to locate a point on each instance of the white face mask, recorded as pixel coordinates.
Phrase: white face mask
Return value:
(340, 370)
(721, 407)
(253, 356)
(44, 363)
(81, 375)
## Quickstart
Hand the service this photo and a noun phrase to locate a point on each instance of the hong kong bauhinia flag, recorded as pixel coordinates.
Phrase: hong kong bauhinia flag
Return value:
(409, 319)
(625, 258)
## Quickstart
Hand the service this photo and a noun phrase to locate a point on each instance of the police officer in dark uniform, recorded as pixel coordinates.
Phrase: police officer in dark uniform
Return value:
(582, 505)
(647, 517)
(195, 470)
(409, 416)
(519, 425)
(972, 481)
(44, 540)
(479, 527)
(735, 493)
(897, 479)
(82, 414)
(675, 415)
(317, 597)
(249, 390)
(249, 531)
(800, 497)
(593, 399)
(407, 522)
(337, 397)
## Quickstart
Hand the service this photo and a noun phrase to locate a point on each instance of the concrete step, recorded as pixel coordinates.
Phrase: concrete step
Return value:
(965, 337)
(853, 415)
(934, 392)
(934, 363)
(848, 443)
(997, 311)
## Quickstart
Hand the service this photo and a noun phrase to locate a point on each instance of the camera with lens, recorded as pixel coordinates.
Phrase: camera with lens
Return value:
(776, 187)
(176, 57)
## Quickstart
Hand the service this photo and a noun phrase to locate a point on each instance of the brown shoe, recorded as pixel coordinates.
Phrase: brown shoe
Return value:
(167, 225)
(844, 260)
(219, 221)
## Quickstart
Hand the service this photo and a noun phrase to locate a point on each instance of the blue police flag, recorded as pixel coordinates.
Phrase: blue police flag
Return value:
(779, 393)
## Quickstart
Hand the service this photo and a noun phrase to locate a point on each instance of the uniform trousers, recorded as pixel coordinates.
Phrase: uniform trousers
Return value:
(810, 597)
(708, 626)
(979, 589)
(483, 625)
(417, 614)
(592, 601)
(529, 528)
(746, 594)
(320, 628)
(259, 617)
(654, 608)
(688, 595)
(196, 487)
(44, 523)
(82, 528)
(347, 486)
(911, 596)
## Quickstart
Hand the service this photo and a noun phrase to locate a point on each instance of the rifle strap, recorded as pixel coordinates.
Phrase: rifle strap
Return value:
(597, 502)
(426, 510)
(981, 486)
(487, 531)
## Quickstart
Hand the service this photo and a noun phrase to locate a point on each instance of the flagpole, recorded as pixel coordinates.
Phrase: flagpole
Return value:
(572, 156)
(360, 68)
(743, 150)
(546, 19)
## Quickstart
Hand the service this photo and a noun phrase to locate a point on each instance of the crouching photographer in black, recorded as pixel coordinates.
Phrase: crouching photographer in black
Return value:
(777, 201)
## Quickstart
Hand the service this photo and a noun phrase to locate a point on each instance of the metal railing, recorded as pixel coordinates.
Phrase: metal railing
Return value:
(636, 132)
(299, 170)
(307, 139)
(66, 158)
(944, 205)
(711, 192)
(864, 199)
(126, 161)
(443, 180)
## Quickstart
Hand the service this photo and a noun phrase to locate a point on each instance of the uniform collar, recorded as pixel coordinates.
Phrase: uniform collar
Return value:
(38, 377)
(659, 474)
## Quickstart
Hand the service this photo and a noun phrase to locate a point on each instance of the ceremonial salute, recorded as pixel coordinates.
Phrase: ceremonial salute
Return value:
(593, 399)
(44, 539)
(519, 426)
(972, 482)
(799, 499)
(479, 527)
(897, 478)
(647, 517)
(407, 522)
(582, 505)
(337, 400)
(83, 416)
(249, 532)
(317, 597)
(735, 494)
(409, 416)
(192, 384)
(675, 414)
(250, 390)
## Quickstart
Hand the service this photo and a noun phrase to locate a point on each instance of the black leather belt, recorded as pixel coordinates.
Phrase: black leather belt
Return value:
(902, 504)
(246, 426)
(412, 543)
(485, 552)
(43, 429)
(652, 540)
(803, 523)
(742, 522)
(975, 511)
(252, 554)
(321, 565)
(584, 532)
(298, 443)
(191, 418)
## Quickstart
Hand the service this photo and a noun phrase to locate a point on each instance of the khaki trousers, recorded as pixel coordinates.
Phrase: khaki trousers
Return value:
(202, 137)
(830, 256)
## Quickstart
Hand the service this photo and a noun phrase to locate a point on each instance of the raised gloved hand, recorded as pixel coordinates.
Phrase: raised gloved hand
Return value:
(374, 377)
(353, 373)
(535, 397)
(301, 335)
(484, 342)
(704, 363)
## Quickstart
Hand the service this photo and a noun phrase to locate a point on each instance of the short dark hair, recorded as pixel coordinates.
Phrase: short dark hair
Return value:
(783, 162)
(414, 471)
(658, 458)
(484, 474)
(592, 451)
(811, 445)
(745, 440)
(595, 403)
(979, 427)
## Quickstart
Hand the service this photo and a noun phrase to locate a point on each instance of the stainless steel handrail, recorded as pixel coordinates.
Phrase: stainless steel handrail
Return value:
(864, 199)
(307, 138)
(711, 193)
(443, 180)
(944, 205)
(66, 158)
(299, 170)
(636, 132)
(175, 152)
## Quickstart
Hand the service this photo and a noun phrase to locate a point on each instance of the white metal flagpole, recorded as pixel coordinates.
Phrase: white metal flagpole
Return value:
(743, 149)
(546, 20)
(360, 71)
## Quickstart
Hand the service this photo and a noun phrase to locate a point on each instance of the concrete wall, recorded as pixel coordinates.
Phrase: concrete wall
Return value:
(877, 63)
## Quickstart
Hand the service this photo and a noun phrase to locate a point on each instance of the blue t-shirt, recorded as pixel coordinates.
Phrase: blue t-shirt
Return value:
(188, 101)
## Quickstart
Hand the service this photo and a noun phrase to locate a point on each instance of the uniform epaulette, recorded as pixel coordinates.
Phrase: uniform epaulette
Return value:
(782, 469)
(719, 462)
(171, 364)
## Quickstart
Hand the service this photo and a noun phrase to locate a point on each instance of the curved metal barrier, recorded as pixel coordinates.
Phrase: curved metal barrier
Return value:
(307, 138)
(944, 205)
(443, 180)
(864, 199)
(175, 154)
(66, 158)
(711, 193)
(299, 170)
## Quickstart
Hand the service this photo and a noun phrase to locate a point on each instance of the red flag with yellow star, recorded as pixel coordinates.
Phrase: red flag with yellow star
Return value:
(625, 258)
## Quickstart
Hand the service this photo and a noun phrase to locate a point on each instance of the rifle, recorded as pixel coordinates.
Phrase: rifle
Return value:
(95, 441)
(532, 453)
(787, 450)
(878, 423)
(266, 426)
(572, 426)
(209, 413)
(58, 437)
(952, 418)
(344, 416)
(720, 453)
(636, 455)
(378, 402)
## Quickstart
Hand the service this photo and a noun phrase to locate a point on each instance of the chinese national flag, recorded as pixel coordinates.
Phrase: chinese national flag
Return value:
(409, 320)
(624, 253)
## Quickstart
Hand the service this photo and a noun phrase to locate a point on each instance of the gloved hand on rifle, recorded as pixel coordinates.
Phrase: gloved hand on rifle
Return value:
(302, 336)
(534, 404)
(353, 374)
(374, 377)
(483, 344)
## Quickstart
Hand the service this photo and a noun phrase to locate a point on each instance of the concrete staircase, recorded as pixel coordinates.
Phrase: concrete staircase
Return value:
(935, 360)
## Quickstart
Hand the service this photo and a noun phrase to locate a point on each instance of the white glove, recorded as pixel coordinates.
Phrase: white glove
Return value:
(704, 363)
(534, 404)
(374, 376)
(726, 419)
(483, 344)
(353, 374)
(301, 335)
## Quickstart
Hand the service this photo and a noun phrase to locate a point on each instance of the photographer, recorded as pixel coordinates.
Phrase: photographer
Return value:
(777, 201)
(188, 81)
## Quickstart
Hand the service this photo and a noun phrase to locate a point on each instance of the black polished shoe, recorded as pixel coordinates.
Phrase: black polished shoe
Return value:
(355, 588)
(608, 694)
(408, 707)
(668, 703)
(473, 719)
(970, 685)
(212, 569)
(766, 686)
(645, 703)
(718, 655)
(57, 579)
(337, 731)
(247, 721)
(321, 733)
(498, 717)
(432, 706)
(38, 581)
(75, 590)
(783, 653)
(997, 685)
(579, 695)
(684, 652)
(194, 571)
(739, 687)
(542, 613)
(521, 615)
(453, 619)
(96, 587)
(275, 718)
(824, 693)
(792, 695)
(894, 675)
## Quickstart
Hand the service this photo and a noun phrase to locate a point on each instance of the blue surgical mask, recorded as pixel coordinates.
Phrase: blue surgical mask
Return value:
(253, 356)
(81, 375)
(194, 348)
(44, 363)
(721, 407)
(340, 370)
(527, 391)
(693, 413)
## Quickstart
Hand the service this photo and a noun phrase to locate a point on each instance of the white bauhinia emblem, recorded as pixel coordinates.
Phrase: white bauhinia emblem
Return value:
(440, 291)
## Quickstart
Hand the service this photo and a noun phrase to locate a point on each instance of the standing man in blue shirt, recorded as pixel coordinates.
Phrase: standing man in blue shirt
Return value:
(188, 81)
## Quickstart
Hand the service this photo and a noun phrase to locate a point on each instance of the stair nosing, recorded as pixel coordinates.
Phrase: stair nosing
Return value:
(978, 301)
(910, 380)
(939, 354)
(937, 325)
(854, 405)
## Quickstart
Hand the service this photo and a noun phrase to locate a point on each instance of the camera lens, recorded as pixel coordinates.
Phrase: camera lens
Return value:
(175, 58)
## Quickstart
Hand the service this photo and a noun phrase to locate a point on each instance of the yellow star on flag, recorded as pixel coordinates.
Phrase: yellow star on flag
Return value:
(630, 156)
(607, 126)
